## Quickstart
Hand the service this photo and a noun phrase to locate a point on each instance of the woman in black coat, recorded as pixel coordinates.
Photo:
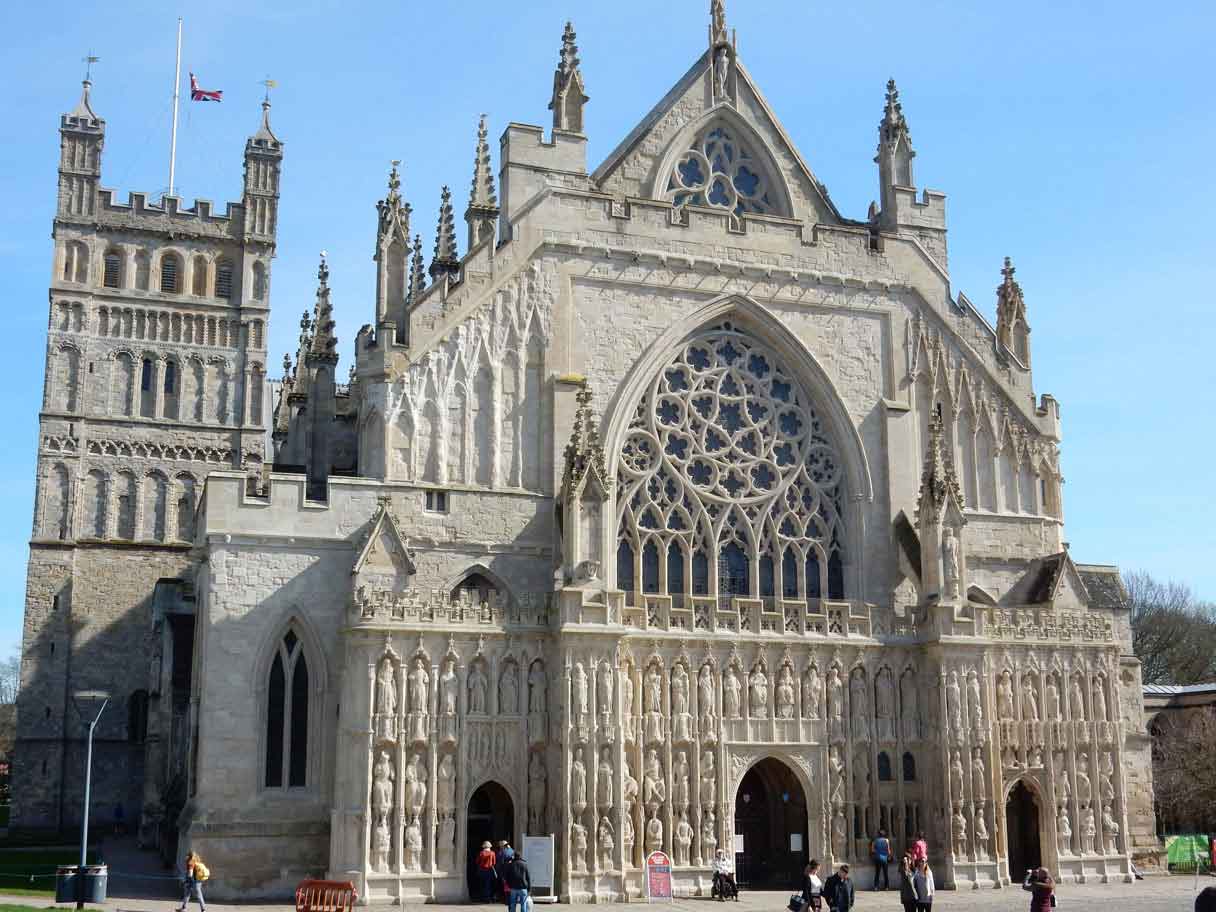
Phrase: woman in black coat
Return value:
(907, 891)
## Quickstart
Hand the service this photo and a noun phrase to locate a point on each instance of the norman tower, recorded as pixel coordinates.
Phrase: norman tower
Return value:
(155, 376)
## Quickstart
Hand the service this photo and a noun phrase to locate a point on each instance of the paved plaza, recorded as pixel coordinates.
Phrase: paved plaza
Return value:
(1154, 894)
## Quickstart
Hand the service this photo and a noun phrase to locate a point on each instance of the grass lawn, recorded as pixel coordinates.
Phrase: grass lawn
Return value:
(6, 908)
(16, 866)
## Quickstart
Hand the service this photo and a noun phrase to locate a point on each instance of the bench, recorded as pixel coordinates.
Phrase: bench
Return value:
(326, 896)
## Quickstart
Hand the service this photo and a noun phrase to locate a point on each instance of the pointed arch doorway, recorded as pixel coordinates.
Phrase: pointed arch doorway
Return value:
(1022, 828)
(770, 815)
(491, 817)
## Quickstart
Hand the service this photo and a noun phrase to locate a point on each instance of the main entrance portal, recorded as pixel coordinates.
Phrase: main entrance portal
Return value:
(1022, 825)
(491, 818)
(770, 815)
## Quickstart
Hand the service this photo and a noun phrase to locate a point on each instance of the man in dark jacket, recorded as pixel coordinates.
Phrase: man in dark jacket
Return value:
(519, 882)
(838, 890)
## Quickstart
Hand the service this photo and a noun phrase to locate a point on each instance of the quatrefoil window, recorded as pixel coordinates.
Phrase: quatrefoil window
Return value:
(720, 172)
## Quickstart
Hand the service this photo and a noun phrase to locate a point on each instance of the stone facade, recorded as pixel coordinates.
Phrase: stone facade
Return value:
(679, 507)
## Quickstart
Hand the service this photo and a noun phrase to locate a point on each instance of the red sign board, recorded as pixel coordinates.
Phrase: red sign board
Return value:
(658, 876)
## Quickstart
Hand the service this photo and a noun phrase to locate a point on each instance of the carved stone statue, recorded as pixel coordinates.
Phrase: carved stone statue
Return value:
(812, 694)
(381, 844)
(630, 787)
(445, 785)
(477, 689)
(419, 681)
(1004, 697)
(382, 785)
(1030, 701)
(1051, 700)
(604, 689)
(578, 850)
(538, 684)
(579, 683)
(386, 689)
(859, 700)
(681, 718)
(958, 829)
(537, 778)
(785, 694)
(578, 782)
(1111, 829)
(954, 703)
(836, 765)
(981, 836)
(705, 699)
(508, 690)
(1064, 831)
(709, 834)
(709, 780)
(449, 688)
(654, 790)
(950, 564)
(415, 785)
(956, 778)
(627, 698)
(606, 843)
(1065, 785)
(413, 845)
(909, 702)
(1089, 830)
(1098, 692)
(757, 694)
(1076, 699)
(652, 693)
(604, 776)
(840, 836)
(835, 706)
(979, 776)
(683, 839)
(654, 834)
(681, 787)
(975, 702)
(1106, 788)
(1084, 790)
(721, 71)
(731, 688)
(627, 837)
(884, 705)
(446, 848)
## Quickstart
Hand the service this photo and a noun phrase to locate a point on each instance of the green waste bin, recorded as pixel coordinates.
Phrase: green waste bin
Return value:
(73, 885)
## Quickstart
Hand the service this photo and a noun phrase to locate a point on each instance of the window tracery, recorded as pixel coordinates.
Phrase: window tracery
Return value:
(720, 172)
(727, 474)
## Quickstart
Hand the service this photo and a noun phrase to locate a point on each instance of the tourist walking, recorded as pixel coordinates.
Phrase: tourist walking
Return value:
(812, 888)
(920, 850)
(519, 882)
(923, 884)
(485, 863)
(838, 890)
(907, 890)
(192, 883)
(881, 850)
(1041, 888)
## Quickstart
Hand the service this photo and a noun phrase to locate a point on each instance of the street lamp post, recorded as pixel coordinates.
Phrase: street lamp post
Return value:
(88, 785)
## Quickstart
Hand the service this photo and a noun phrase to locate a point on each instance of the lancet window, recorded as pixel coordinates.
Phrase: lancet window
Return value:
(729, 484)
(287, 716)
(720, 172)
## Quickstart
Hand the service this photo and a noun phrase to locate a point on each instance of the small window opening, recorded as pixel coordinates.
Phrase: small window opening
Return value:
(168, 274)
(170, 378)
(145, 382)
(437, 501)
(113, 271)
(223, 279)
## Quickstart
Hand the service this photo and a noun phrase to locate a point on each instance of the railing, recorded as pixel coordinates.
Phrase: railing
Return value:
(743, 615)
(435, 606)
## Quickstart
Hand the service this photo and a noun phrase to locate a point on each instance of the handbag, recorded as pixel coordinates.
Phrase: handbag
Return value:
(795, 903)
(1053, 899)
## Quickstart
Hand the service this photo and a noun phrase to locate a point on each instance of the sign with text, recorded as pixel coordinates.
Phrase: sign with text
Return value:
(658, 877)
(538, 853)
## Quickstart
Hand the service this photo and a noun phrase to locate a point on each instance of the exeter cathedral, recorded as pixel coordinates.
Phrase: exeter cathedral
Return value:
(679, 511)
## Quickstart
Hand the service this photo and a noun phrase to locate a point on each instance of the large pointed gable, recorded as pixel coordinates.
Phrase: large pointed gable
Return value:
(385, 560)
(642, 165)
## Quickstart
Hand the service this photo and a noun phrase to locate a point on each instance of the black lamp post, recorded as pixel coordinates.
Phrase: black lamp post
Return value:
(83, 696)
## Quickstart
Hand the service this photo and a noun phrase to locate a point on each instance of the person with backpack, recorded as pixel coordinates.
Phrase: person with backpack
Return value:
(922, 883)
(196, 874)
(1041, 887)
(881, 850)
(519, 882)
(838, 890)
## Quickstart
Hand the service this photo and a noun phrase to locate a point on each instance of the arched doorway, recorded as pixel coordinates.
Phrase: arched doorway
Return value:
(1022, 829)
(770, 815)
(491, 818)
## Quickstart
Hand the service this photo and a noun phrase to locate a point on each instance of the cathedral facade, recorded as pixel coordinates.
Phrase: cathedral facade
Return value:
(681, 512)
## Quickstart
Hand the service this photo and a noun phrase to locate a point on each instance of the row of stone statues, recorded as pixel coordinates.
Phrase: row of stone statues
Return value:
(1052, 709)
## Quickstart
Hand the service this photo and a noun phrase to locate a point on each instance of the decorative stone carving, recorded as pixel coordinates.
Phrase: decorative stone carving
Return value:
(629, 787)
(836, 777)
(419, 684)
(706, 704)
(627, 703)
(652, 691)
(1089, 830)
(1004, 697)
(627, 837)
(654, 788)
(683, 839)
(709, 834)
(681, 786)
(415, 785)
(1076, 699)
(1084, 790)
(578, 782)
(721, 72)
(950, 564)
(840, 836)
(981, 836)
(381, 844)
(884, 703)
(979, 776)
(537, 788)
(731, 688)
(1030, 700)
(606, 843)
(383, 777)
(1051, 703)
(1099, 699)
(477, 689)
(386, 699)
(449, 699)
(757, 693)
(785, 697)
(605, 775)
(654, 834)
(859, 699)
(1106, 788)
(681, 719)
(508, 690)
(538, 699)
(445, 785)
(958, 829)
(709, 780)
(975, 702)
(954, 703)
(1111, 829)
(812, 694)
(445, 848)
(604, 693)
(1064, 831)
(578, 682)
(956, 778)
(578, 847)
(413, 845)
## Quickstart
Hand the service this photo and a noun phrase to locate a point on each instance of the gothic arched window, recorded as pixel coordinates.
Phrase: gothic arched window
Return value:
(884, 767)
(170, 273)
(223, 279)
(287, 716)
(909, 767)
(477, 587)
(720, 172)
(727, 459)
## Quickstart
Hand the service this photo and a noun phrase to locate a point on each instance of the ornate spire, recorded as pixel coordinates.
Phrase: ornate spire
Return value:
(445, 260)
(1010, 312)
(483, 202)
(894, 159)
(265, 135)
(584, 453)
(83, 111)
(394, 213)
(717, 23)
(938, 483)
(568, 96)
(417, 274)
(392, 252)
(324, 343)
(893, 123)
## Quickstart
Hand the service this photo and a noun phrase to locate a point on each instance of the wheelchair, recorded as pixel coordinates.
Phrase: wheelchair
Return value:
(724, 888)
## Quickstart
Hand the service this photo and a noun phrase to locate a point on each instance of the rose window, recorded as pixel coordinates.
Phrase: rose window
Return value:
(719, 172)
(728, 482)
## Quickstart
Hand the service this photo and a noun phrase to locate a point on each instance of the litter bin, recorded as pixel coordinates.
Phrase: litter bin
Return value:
(73, 886)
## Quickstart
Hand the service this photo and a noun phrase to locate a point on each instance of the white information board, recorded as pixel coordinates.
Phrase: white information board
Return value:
(738, 843)
(795, 842)
(538, 853)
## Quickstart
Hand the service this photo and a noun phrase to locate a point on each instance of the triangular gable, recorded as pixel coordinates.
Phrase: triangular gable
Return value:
(1052, 580)
(1069, 590)
(385, 561)
(639, 166)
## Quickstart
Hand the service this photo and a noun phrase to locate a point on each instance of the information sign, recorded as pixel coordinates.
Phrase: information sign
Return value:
(538, 853)
(658, 877)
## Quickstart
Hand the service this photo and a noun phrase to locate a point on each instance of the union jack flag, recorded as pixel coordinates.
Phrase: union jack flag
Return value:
(197, 94)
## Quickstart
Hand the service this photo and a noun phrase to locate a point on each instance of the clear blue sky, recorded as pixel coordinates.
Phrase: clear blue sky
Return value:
(1074, 137)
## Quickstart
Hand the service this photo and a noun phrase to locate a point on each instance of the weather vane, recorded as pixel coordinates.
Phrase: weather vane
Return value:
(269, 84)
(88, 62)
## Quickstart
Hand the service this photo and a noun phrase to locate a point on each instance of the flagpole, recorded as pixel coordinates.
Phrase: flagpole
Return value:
(177, 82)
